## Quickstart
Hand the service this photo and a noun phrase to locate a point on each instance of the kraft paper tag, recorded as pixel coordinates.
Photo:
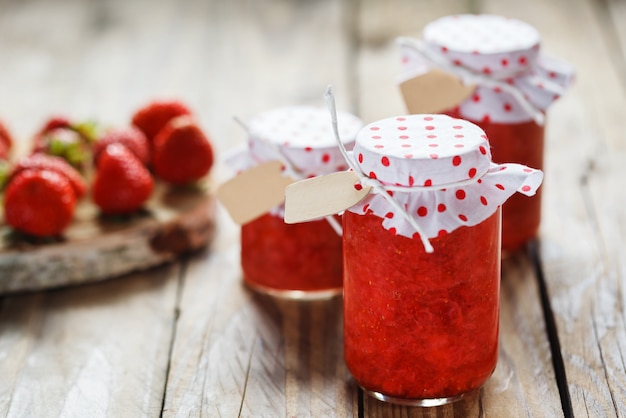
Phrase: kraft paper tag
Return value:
(322, 196)
(254, 192)
(434, 92)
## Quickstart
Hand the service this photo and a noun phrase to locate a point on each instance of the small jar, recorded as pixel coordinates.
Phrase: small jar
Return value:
(518, 85)
(301, 261)
(421, 327)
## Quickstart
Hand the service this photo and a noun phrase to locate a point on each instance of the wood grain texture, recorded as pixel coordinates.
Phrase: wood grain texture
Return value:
(99, 350)
(581, 242)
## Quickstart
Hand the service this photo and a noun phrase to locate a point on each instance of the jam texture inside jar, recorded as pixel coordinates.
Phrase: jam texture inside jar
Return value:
(422, 258)
(300, 261)
(417, 325)
(304, 257)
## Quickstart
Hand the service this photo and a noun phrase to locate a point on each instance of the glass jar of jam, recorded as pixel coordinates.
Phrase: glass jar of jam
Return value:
(420, 323)
(302, 261)
(515, 85)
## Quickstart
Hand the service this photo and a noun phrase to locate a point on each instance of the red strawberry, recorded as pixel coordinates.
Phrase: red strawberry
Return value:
(53, 123)
(151, 118)
(57, 164)
(122, 183)
(67, 139)
(132, 138)
(39, 202)
(182, 152)
(5, 150)
(6, 142)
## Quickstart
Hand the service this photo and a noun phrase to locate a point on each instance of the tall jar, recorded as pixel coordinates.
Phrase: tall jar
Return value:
(421, 324)
(300, 261)
(515, 85)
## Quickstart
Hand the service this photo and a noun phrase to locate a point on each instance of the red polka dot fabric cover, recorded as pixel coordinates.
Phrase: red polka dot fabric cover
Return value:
(299, 136)
(501, 48)
(303, 136)
(439, 170)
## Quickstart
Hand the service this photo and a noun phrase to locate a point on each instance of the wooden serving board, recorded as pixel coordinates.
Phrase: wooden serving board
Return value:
(95, 247)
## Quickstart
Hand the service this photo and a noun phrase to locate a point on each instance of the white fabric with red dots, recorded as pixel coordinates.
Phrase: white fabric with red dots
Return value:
(439, 170)
(497, 47)
(301, 137)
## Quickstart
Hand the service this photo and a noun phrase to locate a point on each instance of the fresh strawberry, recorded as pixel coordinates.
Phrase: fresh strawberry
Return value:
(182, 152)
(39, 202)
(152, 117)
(5, 150)
(50, 162)
(55, 122)
(67, 139)
(132, 138)
(52, 124)
(6, 142)
(122, 184)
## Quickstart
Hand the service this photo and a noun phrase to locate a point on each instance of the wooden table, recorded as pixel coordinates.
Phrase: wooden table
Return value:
(187, 339)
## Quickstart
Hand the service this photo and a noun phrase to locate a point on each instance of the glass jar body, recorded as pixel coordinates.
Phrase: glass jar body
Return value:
(419, 328)
(521, 143)
(298, 261)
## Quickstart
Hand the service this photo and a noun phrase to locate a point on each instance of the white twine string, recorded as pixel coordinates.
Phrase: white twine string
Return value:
(375, 184)
(396, 188)
(472, 77)
(290, 171)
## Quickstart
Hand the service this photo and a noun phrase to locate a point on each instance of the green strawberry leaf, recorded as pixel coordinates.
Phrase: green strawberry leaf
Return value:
(5, 170)
(89, 130)
(74, 152)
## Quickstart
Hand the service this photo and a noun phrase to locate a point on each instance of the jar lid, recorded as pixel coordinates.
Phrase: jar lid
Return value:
(493, 45)
(501, 56)
(422, 150)
(437, 170)
(303, 136)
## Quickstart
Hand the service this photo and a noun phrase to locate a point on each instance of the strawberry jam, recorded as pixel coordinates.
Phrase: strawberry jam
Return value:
(298, 261)
(522, 143)
(420, 328)
(301, 261)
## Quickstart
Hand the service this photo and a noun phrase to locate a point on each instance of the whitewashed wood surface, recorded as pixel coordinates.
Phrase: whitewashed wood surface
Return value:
(187, 339)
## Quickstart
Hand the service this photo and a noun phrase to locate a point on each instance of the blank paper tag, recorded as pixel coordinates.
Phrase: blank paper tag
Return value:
(254, 192)
(322, 196)
(434, 92)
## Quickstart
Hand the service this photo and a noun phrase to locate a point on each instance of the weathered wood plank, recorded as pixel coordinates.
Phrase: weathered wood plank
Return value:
(99, 350)
(236, 353)
(583, 214)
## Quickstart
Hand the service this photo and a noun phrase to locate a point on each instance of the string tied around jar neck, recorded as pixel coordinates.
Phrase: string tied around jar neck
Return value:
(375, 184)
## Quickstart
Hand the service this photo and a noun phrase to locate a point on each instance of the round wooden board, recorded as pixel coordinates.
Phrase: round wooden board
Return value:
(94, 247)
